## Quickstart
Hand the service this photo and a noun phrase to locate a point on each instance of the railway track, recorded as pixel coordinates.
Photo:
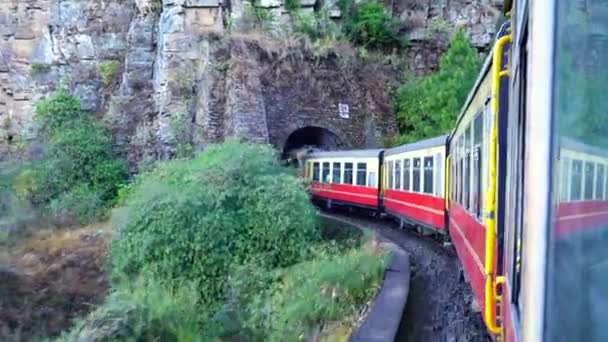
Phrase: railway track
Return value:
(440, 303)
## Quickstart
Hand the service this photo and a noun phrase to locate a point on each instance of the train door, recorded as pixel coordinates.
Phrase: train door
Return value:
(562, 276)
(515, 179)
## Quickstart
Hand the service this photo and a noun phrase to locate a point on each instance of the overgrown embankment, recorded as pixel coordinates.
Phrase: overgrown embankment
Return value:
(222, 246)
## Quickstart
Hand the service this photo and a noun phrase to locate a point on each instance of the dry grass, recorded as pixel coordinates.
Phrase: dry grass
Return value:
(51, 277)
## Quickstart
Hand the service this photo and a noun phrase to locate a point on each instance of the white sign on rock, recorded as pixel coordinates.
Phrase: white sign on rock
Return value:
(343, 110)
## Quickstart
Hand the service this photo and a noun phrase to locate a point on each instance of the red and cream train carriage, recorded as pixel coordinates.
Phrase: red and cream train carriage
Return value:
(413, 183)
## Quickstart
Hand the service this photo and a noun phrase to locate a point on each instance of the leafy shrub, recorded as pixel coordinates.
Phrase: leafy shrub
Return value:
(197, 219)
(142, 310)
(40, 68)
(369, 25)
(81, 202)
(292, 5)
(429, 106)
(107, 70)
(78, 164)
(56, 110)
(318, 26)
(319, 291)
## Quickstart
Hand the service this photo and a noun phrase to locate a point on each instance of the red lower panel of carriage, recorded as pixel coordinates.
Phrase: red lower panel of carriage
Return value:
(581, 215)
(426, 209)
(351, 194)
(468, 236)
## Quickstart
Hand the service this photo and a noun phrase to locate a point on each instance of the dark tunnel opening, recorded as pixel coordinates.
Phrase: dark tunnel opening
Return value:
(310, 138)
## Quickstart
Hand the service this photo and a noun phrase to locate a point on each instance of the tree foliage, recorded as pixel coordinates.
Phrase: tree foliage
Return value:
(369, 24)
(429, 106)
(78, 174)
(198, 219)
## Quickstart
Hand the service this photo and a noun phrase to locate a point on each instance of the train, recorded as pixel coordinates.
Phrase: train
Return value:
(519, 185)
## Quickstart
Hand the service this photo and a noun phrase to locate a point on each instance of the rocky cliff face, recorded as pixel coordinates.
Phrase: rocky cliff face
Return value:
(171, 73)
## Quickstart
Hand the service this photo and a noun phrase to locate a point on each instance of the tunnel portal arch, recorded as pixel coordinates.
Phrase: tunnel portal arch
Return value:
(309, 138)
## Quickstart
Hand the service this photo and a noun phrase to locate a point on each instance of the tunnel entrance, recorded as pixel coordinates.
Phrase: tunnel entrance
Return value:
(310, 138)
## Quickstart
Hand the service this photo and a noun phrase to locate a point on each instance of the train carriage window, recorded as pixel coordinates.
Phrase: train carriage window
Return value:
(371, 179)
(348, 173)
(325, 173)
(438, 175)
(599, 182)
(606, 185)
(390, 174)
(428, 175)
(337, 173)
(577, 180)
(460, 189)
(416, 175)
(315, 172)
(361, 173)
(477, 193)
(565, 177)
(406, 174)
(398, 175)
(467, 168)
(589, 178)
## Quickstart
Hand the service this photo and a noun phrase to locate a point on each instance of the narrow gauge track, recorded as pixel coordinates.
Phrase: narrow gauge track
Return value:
(440, 301)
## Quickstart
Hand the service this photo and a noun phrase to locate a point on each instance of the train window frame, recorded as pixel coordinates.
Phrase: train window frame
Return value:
(426, 177)
(564, 187)
(476, 169)
(576, 196)
(467, 166)
(416, 175)
(325, 178)
(391, 176)
(599, 182)
(589, 185)
(348, 173)
(606, 182)
(407, 180)
(371, 179)
(439, 175)
(333, 173)
(316, 171)
(461, 153)
(361, 170)
(398, 175)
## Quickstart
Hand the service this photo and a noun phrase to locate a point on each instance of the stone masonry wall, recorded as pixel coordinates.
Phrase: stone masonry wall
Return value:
(192, 72)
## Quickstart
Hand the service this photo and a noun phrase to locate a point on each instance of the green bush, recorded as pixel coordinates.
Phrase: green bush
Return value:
(142, 310)
(429, 106)
(107, 70)
(327, 289)
(56, 110)
(78, 173)
(197, 219)
(368, 24)
(316, 27)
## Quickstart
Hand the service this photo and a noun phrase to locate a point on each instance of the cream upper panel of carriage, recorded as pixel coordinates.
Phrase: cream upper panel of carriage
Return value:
(425, 152)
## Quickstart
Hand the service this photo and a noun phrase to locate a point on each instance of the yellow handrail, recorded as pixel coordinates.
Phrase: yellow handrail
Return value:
(490, 202)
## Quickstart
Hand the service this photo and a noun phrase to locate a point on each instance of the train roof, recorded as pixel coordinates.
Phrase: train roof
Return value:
(432, 142)
(346, 154)
(578, 146)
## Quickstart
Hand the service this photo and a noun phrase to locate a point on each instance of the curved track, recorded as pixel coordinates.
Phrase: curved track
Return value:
(440, 301)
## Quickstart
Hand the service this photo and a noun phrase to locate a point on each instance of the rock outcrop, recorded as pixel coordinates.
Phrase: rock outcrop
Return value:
(174, 74)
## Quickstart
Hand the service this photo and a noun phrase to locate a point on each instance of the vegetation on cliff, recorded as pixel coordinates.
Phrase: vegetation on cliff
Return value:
(77, 174)
(428, 106)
